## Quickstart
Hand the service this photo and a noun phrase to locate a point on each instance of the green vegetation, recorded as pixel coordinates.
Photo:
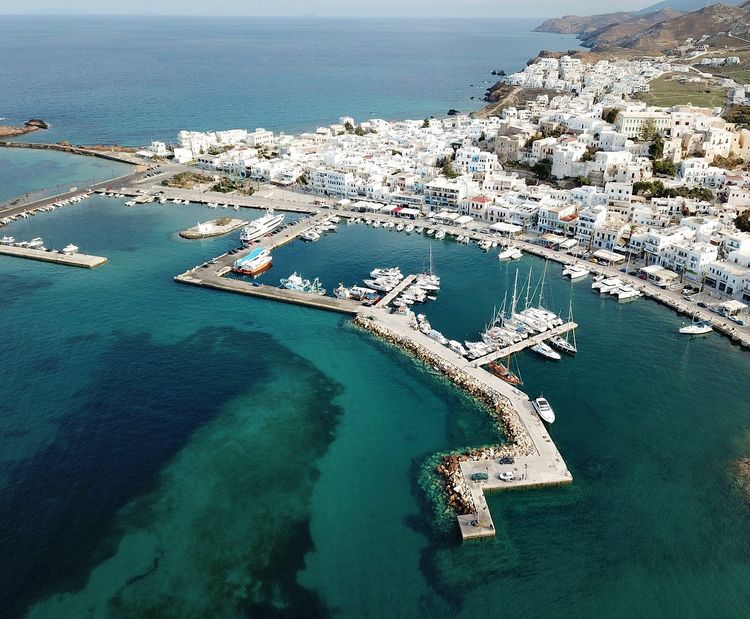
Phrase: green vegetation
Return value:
(656, 150)
(227, 185)
(223, 221)
(448, 170)
(666, 92)
(426, 123)
(648, 131)
(359, 131)
(667, 168)
(656, 189)
(590, 153)
(739, 115)
(542, 169)
(349, 127)
(610, 115)
(186, 180)
(743, 221)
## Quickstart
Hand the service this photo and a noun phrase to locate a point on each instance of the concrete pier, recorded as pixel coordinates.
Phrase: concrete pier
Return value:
(74, 260)
(524, 344)
(540, 463)
(402, 285)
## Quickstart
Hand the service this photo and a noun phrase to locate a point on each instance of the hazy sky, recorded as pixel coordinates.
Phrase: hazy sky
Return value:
(412, 8)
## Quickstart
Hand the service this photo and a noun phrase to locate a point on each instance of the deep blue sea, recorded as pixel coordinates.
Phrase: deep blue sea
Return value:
(170, 451)
(133, 80)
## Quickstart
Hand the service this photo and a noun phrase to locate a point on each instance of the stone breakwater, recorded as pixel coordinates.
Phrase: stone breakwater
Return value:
(518, 444)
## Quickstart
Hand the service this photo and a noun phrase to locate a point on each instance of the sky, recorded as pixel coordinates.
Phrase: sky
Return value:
(343, 8)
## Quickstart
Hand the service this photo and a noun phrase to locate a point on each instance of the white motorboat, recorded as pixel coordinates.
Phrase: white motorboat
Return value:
(341, 292)
(440, 234)
(409, 228)
(545, 351)
(381, 284)
(543, 409)
(260, 227)
(7, 240)
(430, 231)
(394, 272)
(311, 235)
(438, 337)
(575, 272)
(510, 253)
(36, 243)
(457, 347)
(69, 249)
(400, 227)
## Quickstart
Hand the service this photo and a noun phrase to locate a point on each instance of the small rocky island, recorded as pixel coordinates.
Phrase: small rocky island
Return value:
(215, 227)
(34, 124)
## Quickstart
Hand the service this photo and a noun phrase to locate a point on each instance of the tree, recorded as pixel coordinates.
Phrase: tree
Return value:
(589, 154)
(349, 127)
(656, 150)
(359, 131)
(542, 169)
(743, 221)
(648, 130)
(667, 168)
(610, 115)
(448, 170)
(426, 123)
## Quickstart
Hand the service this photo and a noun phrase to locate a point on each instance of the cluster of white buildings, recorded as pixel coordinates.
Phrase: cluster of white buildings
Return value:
(456, 168)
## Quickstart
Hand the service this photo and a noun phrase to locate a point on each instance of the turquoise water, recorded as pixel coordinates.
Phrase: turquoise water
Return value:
(28, 170)
(130, 80)
(173, 451)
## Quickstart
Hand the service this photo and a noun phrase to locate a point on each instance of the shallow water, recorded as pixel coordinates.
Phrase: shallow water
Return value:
(170, 450)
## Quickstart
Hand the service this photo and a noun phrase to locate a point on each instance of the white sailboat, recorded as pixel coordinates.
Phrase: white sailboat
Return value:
(697, 327)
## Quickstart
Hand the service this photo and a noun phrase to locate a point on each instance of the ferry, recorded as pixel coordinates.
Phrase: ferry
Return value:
(254, 263)
(260, 227)
(543, 409)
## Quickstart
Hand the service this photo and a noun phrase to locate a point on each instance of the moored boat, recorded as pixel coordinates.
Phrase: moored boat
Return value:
(255, 263)
(260, 227)
(543, 409)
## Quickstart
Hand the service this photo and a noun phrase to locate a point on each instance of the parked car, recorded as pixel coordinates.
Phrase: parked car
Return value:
(506, 476)
(480, 477)
(507, 460)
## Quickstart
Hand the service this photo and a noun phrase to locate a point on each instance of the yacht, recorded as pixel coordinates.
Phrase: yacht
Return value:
(575, 272)
(310, 235)
(545, 351)
(563, 345)
(69, 249)
(7, 240)
(457, 347)
(438, 337)
(393, 272)
(376, 224)
(543, 409)
(603, 286)
(510, 253)
(381, 284)
(418, 230)
(440, 234)
(260, 227)
(409, 228)
(36, 243)
(254, 263)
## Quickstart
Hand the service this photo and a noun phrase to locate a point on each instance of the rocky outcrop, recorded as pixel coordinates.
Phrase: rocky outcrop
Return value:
(577, 24)
(34, 124)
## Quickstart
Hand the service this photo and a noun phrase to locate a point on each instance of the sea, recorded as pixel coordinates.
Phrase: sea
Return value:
(171, 451)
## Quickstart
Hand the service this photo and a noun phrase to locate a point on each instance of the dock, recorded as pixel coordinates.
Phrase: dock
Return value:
(524, 344)
(541, 465)
(402, 285)
(74, 260)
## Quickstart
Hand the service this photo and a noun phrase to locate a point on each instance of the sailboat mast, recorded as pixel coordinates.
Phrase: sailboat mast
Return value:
(513, 301)
(541, 287)
(528, 290)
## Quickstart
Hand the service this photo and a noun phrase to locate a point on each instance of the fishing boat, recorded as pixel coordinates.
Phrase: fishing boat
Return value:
(341, 292)
(696, 327)
(255, 263)
(260, 227)
(543, 409)
(545, 351)
(297, 283)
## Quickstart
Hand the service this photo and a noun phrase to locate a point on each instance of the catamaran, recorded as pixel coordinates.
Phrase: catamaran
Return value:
(260, 227)
(575, 272)
(510, 253)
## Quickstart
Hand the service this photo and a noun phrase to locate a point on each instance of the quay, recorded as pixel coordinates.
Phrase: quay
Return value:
(524, 344)
(537, 462)
(74, 260)
(211, 274)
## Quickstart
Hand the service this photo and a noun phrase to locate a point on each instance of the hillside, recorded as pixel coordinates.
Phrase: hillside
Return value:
(684, 5)
(656, 31)
(575, 24)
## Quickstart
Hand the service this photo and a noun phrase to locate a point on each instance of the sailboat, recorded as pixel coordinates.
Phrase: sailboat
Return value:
(563, 343)
(697, 327)
(503, 371)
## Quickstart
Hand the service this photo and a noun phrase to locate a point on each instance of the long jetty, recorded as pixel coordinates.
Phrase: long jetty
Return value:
(73, 260)
(524, 344)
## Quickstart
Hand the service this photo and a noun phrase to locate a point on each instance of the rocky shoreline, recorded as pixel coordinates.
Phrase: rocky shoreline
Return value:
(518, 444)
(34, 124)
